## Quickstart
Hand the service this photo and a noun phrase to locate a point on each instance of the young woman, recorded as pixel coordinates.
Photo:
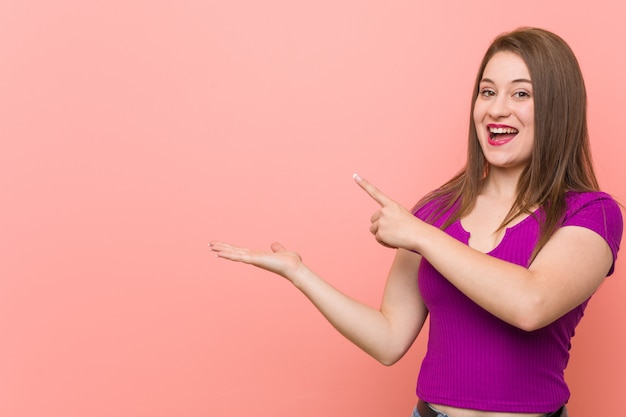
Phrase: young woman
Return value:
(504, 257)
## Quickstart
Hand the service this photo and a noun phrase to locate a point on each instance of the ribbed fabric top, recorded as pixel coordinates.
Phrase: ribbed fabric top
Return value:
(475, 360)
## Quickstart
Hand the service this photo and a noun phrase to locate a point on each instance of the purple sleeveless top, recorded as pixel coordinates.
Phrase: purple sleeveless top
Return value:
(475, 360)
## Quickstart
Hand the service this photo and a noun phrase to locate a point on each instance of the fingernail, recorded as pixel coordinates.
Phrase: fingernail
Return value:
(357, 177)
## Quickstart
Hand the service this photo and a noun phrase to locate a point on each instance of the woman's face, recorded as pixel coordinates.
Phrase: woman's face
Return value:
(504, 112)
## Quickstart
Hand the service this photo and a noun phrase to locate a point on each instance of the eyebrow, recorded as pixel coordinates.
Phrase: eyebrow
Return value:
(518, 80)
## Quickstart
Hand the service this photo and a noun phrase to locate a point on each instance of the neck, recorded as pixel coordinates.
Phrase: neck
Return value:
(501, 183)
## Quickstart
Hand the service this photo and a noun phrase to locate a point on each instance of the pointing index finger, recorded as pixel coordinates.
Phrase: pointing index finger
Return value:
(373, 192)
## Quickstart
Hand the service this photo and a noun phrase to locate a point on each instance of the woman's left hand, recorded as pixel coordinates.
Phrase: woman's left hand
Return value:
(393, 225)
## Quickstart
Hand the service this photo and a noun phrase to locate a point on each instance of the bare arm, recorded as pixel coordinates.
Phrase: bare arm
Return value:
(385, 333)
(566, 272)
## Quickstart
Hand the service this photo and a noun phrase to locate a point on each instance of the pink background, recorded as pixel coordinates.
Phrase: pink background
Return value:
(134, 132)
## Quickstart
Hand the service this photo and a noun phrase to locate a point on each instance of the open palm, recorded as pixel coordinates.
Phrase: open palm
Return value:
(278, 260)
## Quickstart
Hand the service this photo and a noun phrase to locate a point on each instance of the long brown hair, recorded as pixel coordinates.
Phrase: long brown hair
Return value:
(561, 158)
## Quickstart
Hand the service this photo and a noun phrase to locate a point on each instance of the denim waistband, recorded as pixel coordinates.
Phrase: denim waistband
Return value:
(428, 411)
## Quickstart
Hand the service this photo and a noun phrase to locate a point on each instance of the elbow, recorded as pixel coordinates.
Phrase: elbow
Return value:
(529, 325)
(388, 361)
(390, 357)
(531, 317)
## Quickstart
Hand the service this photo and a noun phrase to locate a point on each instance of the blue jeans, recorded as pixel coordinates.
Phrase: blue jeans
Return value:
(416, 414)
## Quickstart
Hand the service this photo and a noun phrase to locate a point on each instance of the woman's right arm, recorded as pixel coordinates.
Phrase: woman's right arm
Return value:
(385, 333)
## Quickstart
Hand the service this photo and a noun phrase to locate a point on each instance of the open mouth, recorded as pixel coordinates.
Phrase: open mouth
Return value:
(501, 134)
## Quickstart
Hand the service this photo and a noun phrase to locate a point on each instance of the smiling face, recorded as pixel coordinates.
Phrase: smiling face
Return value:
(504, 112)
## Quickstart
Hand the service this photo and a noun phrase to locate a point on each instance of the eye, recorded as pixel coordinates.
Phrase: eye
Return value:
(486, 92)
(521, 94)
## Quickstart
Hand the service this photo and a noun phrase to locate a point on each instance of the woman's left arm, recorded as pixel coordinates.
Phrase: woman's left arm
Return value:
(567, 270)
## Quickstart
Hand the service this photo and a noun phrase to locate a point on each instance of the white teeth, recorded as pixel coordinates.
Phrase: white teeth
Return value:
(499, 130)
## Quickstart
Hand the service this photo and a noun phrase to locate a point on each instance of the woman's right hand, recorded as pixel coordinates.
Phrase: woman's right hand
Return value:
(384, 333)
(279, 261)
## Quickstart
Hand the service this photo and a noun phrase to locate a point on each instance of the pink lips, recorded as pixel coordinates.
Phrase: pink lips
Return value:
(502, 138)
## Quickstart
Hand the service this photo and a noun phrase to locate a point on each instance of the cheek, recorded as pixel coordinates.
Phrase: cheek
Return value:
(528, 114)
(478, 113)
(479, 116)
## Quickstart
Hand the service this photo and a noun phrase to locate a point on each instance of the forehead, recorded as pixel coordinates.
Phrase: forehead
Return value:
(505, 67)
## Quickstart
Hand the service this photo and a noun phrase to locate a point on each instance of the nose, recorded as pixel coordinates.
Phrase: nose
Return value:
(499, 107)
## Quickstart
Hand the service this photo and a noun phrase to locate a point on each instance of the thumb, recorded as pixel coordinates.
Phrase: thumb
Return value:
(278, 247)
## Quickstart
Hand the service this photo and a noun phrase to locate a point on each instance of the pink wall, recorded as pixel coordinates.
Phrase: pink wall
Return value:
(134, 131)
